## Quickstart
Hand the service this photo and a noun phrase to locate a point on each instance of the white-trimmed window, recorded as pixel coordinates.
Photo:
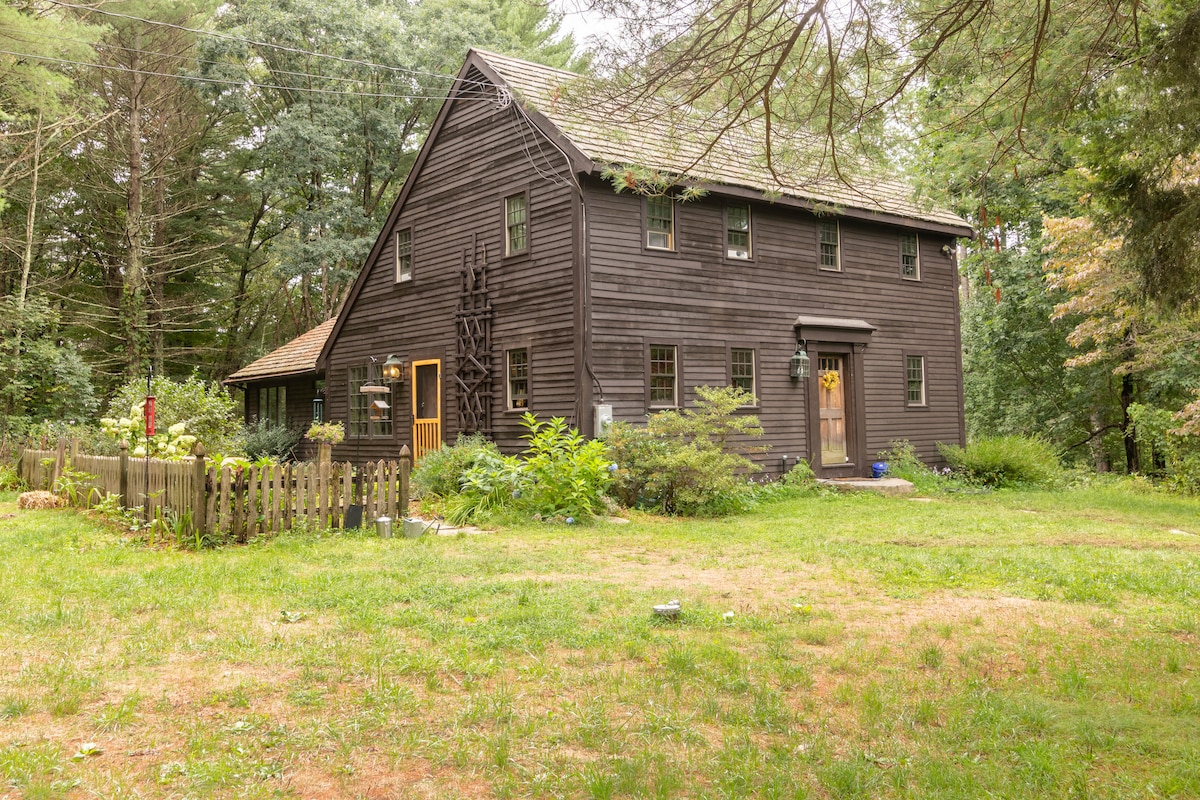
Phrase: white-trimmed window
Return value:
(516, 224)
(737, 232)
(910, 257)
(518, 378)
(914, 370)
(741, 369)
(660, 223)
(404, 255)
(830, 236)
(664, 376)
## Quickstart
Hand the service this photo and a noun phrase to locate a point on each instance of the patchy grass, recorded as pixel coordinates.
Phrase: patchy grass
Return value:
(1009, 645)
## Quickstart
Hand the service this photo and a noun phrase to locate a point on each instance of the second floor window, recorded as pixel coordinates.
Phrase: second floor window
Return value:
(737, 231)
(404, 255)
(516, 224)
(830, 235)
(910, 258)
(660, 223)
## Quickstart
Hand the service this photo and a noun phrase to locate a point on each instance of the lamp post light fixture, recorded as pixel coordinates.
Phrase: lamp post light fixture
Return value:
(800, 360)
(393, 368)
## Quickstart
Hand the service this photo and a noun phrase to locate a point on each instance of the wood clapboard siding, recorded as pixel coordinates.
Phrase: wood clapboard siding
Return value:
(702, 302)
(473, 161)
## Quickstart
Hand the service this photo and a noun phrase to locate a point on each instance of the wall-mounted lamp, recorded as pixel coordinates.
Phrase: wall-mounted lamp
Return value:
(393, 368)
(318, 409)
(947, 250)
(800, 360)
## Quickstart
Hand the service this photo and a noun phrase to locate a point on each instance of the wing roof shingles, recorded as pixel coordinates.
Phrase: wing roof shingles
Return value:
(294, 358)
(651, 143)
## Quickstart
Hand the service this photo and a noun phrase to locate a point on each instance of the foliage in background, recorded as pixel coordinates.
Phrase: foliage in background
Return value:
(171, 443)
(206, 408)
(688, 462)
(1174, 449)
(1005, 462)
(264, 439)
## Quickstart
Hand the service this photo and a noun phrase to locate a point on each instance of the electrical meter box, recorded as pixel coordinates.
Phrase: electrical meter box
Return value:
(603, 418)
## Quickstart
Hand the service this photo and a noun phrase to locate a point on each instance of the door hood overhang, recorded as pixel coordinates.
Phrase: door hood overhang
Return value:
(833, 329)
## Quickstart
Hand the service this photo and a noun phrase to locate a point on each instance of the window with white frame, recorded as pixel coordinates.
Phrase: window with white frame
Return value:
(914, 368)
(516, 224)
(518, 378)
(741, 369)
(737, 231)
(910, 256)
(404, 264)
(830, 235)
(660, 223)
(664, 376)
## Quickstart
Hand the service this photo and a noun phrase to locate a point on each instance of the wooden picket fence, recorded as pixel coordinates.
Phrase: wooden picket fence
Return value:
(196, 496)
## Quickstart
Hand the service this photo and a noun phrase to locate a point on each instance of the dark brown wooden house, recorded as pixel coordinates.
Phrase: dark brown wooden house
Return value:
(510, 276)
(285, 387)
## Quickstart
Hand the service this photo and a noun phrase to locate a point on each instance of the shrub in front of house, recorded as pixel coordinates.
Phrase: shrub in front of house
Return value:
(1004, 462)
(440, 472)
(264, 439)
(689, 462)
(207, 409)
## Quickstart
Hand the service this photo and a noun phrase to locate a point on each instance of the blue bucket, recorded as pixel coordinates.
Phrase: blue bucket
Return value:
(879, 469)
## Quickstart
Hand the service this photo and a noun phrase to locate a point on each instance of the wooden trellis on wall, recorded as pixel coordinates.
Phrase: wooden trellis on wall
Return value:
(473, 369)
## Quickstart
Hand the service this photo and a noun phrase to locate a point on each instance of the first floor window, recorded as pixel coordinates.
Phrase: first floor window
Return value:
(518, 378)
(737, 231)
(272, 405)
(741, 369)
(516, 220)
(910, 258)
(660, 223)
(664, 376)
(914, 367)
(404, 255)
(830, 251)
(357, 424)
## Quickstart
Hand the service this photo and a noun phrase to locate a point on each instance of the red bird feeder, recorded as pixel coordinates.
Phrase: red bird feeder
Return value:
(149, 409)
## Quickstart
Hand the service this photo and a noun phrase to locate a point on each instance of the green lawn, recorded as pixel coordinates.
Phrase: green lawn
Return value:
(1012, 645)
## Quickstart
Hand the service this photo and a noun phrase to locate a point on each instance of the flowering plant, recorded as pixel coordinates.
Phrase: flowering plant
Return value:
(172, 444)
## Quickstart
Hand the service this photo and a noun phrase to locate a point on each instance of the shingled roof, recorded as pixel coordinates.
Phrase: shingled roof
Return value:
(652, 141)
(295, 358)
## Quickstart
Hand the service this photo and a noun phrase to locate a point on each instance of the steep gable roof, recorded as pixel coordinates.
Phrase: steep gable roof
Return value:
(653, 142)
(294, 358)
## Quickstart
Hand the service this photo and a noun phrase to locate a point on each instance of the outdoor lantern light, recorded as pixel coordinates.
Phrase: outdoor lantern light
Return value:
(393, 368)
(318, 409)
(800, 361)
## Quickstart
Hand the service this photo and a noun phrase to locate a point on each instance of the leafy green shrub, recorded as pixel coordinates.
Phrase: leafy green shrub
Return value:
(1004, 461)
(265, 440)
(10, 481)
(207, 409)
(440, 472)
(561, 475)
(688, 462)
(905, 462)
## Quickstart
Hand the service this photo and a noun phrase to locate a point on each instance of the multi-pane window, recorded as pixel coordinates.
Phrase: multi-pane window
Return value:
(914, 367)
(516, 224)
(272, 405)
(831, 257)
(404, 255)
(910, 259)
(664, 376)
(370, 412)
(518, 378)
(737, 231)
(357, 424)
(660, 223)
(741, 369)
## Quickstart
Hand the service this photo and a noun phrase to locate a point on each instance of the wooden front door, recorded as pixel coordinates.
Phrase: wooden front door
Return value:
(427, 407)
(831, 388)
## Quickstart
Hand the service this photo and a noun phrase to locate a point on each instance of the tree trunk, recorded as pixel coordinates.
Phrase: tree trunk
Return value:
(1099, 455)
(30, 220)
(1132, 463)
(133, 298)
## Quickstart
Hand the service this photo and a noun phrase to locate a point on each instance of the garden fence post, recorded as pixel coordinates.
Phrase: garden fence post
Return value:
(60, 462)
(405, 470)
(124, 479)
(74, 450)
(200, 491)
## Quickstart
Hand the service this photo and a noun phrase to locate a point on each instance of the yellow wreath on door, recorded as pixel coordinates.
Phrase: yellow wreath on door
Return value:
(830, 379)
